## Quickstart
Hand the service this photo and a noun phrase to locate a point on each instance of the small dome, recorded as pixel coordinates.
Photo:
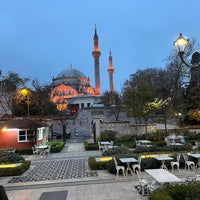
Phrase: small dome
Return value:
(63, 91)
(71, 73)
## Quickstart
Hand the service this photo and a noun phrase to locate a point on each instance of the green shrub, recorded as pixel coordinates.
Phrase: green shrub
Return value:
(127, 143)
(56, 146)
(91, 146)
(127, 137)
(15, 171)
(122, 150)
(94, 165)
(188, 192)
(111, 167)
(10, 157)
(108, 135)
(177, 192)
(158, 195)
(173, 148)
(150, 163)
(24, 151)
(159, 143)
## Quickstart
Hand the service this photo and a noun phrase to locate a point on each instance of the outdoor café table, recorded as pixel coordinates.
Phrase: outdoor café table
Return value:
(128, 161)
(163, 159)
(144, 142)
(41, 148)
(105, 143)
(196, 155)
(163, 176)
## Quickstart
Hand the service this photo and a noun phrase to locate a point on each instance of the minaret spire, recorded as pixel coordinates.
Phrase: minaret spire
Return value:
(110, 72)
(96, 54)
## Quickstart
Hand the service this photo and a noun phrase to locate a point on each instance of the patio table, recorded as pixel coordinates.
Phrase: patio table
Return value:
(42, 148)
(163, 176)
(163, 159)
(145, 143)
(128, 161)
(105, 143)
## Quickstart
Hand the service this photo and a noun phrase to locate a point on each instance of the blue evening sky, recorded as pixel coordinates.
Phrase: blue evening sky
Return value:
(41, 38)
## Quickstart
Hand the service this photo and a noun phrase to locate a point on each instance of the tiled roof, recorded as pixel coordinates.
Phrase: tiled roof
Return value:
(22, 123)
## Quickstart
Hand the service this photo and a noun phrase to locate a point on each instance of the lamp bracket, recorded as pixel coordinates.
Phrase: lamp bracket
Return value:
(181, 53)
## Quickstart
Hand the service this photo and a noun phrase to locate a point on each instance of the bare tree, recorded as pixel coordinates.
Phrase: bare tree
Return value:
(113, 101)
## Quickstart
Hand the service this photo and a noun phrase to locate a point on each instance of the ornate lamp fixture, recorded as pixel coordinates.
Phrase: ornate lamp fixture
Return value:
(180, 44)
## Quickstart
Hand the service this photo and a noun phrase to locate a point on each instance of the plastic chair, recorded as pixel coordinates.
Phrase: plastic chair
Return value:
(188, 164)
(137, 166)
(176, 163)
(35, 151)
(119, 167)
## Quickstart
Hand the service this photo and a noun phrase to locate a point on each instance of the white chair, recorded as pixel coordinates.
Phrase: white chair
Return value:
(153, 185)
(137, 166)
(111, 143)
(101, 148)
(119, 167)
(196, 146)
(143, 184)
(35, 151)
(188, 164)
(137, 143)
(47, 151)
(176, 163)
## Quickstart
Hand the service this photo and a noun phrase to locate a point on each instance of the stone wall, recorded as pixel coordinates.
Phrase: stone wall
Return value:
(122, 128)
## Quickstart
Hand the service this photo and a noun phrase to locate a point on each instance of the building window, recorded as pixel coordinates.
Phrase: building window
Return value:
(25, 135)
(40, 133)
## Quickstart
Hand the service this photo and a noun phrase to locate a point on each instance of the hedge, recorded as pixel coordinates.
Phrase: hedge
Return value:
(177, 192)
(91, 146)
(94, 165)
(7, 157)
(56, 146)
(15, 171)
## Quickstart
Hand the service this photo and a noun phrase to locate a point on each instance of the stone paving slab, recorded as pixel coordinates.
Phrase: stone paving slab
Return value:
(61, 195)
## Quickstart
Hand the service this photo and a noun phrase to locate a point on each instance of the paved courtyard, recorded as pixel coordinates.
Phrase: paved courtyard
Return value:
(68, 173)
(56, 170)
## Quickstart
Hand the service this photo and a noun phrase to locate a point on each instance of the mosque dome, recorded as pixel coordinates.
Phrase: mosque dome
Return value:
(71, 72)
(63, 91)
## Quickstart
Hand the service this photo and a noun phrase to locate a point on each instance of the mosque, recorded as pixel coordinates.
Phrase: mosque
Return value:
(72, 88)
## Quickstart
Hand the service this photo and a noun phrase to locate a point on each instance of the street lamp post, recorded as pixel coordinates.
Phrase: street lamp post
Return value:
(165, 118)
(165, 103)
(180, 44)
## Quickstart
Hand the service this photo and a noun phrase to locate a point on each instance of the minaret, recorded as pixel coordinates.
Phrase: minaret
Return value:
(110, 73)
(96, 54)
